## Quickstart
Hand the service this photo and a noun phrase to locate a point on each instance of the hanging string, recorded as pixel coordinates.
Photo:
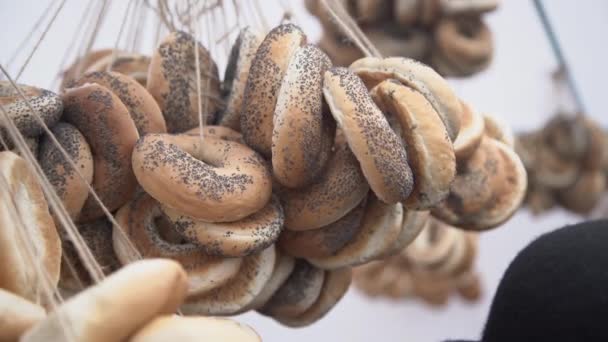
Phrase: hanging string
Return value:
(120, 31)
(46, 30)
(89, 42)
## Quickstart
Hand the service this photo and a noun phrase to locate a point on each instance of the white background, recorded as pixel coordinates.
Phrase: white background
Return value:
(517, 87)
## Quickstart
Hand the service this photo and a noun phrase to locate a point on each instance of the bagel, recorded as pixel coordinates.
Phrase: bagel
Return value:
(472, 128)
(584, 195)
(372, 11)
(265, 76)
(303, 133)
(393, 40)
(141, 105)
(335, 285)
(412, 224)
(219, 132)
(172, 82)
(130, 64)
(464, 42)
(23, 208)
(137, 221)
(232, 239)
(118, 306)
(538, 198)
(324, 241)
(429, 148)
(406, 12)
(235, 78)
(418, 76)
(467, 7)
(553, 171)
(593, 158)
(68, 185)
(508, 188)
(378, 149)
(567, 136)
(47, 106)
(194, 329)
(106, 125)
(239, 291)
(497, 129)
(298, 293)
(339, 189)
(17, 316)
(433, 290)
(81, 64)
(98, 237)
(380, 228)
(214, 181)
(283, 266)
(341, 51)
(433, 246)
(469, 286)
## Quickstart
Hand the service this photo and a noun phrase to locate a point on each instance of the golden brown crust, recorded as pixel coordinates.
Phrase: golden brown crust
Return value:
(172, 82)
(180, 172)
(141, 105)
(265, 76)
(378, 149)
(68, 185)
(111, 133)
(25, 222)
(429, 148)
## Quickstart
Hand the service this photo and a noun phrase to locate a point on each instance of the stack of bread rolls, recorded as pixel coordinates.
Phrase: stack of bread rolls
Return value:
(566, 161)
(449, 35)
(438, 263)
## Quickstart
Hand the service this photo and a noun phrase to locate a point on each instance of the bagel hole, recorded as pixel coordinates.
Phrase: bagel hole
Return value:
(167, 232)
(468, 27)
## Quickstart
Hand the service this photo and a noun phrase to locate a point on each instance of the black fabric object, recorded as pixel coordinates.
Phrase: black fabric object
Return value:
(556, 289)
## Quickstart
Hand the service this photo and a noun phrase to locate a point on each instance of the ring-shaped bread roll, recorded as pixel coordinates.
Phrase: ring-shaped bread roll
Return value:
(437, 91)
(232, 239)
(172, 81)
(141, 105)
(236, 75)
(339, 189)
(378, 149)
(239, 291)
(137, 221)
(335, 284)
(69, 187)
(46, 104)
(584, 195)
(218, 132)
(215, 180)
(341, 51)
(131, 64)
(465, 43)
(396, 41)
(303, 132)
(429, 148)
(324, 241)
(467, 7)
(265, 76)
(406, 12)
(283, 267)
(82, 64)
(472, 128)
(26, 223)
(413, 223)
(298, 293)
(380, 228)
(498, 129)
(111, 133)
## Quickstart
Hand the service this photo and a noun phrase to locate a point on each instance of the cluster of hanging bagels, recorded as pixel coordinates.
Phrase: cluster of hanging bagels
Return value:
(566, 160)
(266, 187)
(439, 262)
(449, 35)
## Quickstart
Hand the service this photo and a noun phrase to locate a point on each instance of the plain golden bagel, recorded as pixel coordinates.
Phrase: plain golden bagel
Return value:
(46, 105)
(18, 315)
(379, 230)
(141, 105)
(378, 149)
(68, 185)
(472, 128)
(236, 75)
(298, 293)
(218, 132)
(232, 239)
(339, 189)
(111, 133)
(215, 180)
(239, 291)
(303, 133)
(194, 329)
(137, 220)
(26, 225)
(418, 76)
(265, 76)
(324, 241)
(131, 64)
(465, 43)
(429, 148)
(172, 81)
(117, 307)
